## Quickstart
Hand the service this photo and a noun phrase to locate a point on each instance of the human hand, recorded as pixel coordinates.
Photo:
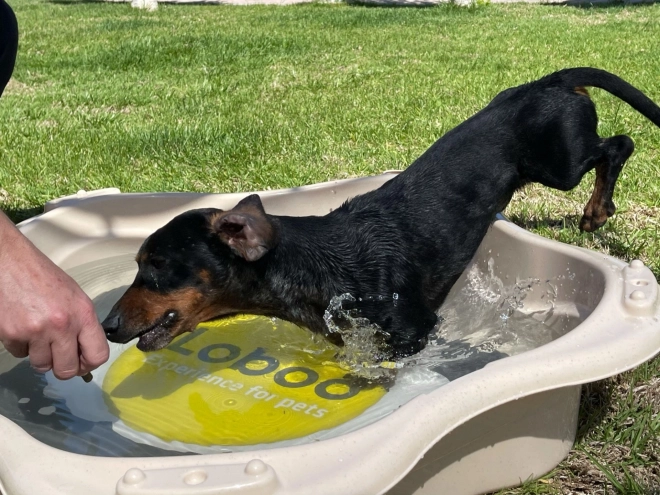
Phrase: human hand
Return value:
(44, 314)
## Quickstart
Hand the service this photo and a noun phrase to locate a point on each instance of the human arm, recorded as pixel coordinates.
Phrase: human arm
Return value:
(44, 314)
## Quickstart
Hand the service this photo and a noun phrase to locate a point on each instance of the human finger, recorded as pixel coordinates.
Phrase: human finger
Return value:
(16, 349)
(93, 348)
(66, 363)
(40, 356)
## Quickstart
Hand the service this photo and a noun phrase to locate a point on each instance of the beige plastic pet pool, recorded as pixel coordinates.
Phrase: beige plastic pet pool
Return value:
(492, 409)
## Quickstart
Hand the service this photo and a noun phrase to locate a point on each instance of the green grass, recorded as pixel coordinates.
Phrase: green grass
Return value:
(218, 98)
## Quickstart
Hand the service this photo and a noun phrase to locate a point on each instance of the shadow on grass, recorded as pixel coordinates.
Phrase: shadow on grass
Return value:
(596, 401)
(606, 4)
(389, 4)
(76, 2)
(17, 215)
(566, 222)
(580, 4)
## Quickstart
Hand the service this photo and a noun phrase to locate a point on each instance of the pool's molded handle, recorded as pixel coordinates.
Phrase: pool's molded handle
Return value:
(254, 478)
(640, 289)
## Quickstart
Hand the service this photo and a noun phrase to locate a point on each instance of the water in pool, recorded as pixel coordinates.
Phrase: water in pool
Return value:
(483, 320)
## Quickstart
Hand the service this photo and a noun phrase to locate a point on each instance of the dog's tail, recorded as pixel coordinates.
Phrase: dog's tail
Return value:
(586, 76)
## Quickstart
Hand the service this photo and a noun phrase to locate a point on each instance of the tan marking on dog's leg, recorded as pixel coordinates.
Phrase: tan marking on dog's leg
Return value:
(596, 211)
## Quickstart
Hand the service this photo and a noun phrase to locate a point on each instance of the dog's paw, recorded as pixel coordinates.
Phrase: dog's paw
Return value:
(591, 224)
(595, 218)
(610, 208)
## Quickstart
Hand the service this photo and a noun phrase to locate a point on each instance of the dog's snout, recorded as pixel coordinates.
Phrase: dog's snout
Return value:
(111, 324)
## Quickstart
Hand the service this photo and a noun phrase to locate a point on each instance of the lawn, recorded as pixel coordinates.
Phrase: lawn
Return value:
(224, 99)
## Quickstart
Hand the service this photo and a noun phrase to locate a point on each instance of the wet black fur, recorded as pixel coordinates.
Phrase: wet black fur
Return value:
(416, 234)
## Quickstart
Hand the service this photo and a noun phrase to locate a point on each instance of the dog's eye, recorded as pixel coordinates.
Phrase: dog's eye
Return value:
(158, 262)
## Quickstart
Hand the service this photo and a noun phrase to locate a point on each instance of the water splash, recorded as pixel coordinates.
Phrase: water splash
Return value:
(484, 321)
(364, 346)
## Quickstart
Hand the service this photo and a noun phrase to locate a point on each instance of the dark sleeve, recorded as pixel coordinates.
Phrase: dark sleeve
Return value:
(8, 43)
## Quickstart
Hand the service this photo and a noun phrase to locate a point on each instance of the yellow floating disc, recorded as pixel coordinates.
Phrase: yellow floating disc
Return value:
(238, 381)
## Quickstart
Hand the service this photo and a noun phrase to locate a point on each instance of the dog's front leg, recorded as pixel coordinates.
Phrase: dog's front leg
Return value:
(409, 327)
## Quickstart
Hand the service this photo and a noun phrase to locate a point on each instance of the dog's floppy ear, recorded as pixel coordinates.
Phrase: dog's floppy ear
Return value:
(246, 229)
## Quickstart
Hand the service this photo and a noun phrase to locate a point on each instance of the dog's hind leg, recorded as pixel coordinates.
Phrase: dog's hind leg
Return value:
(614, 153)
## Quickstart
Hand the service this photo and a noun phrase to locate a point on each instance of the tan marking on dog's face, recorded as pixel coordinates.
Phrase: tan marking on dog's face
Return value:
(142, 308)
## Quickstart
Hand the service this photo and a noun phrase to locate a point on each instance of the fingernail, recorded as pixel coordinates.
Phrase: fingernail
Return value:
(87, 377)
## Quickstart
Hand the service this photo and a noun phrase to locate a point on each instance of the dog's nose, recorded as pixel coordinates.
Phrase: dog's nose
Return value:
(111, 324)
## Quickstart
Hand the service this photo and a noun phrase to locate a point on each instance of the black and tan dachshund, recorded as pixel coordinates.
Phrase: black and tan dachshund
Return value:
(412, 237)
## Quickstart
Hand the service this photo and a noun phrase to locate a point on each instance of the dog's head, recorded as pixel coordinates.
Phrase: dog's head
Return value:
(199, 266)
